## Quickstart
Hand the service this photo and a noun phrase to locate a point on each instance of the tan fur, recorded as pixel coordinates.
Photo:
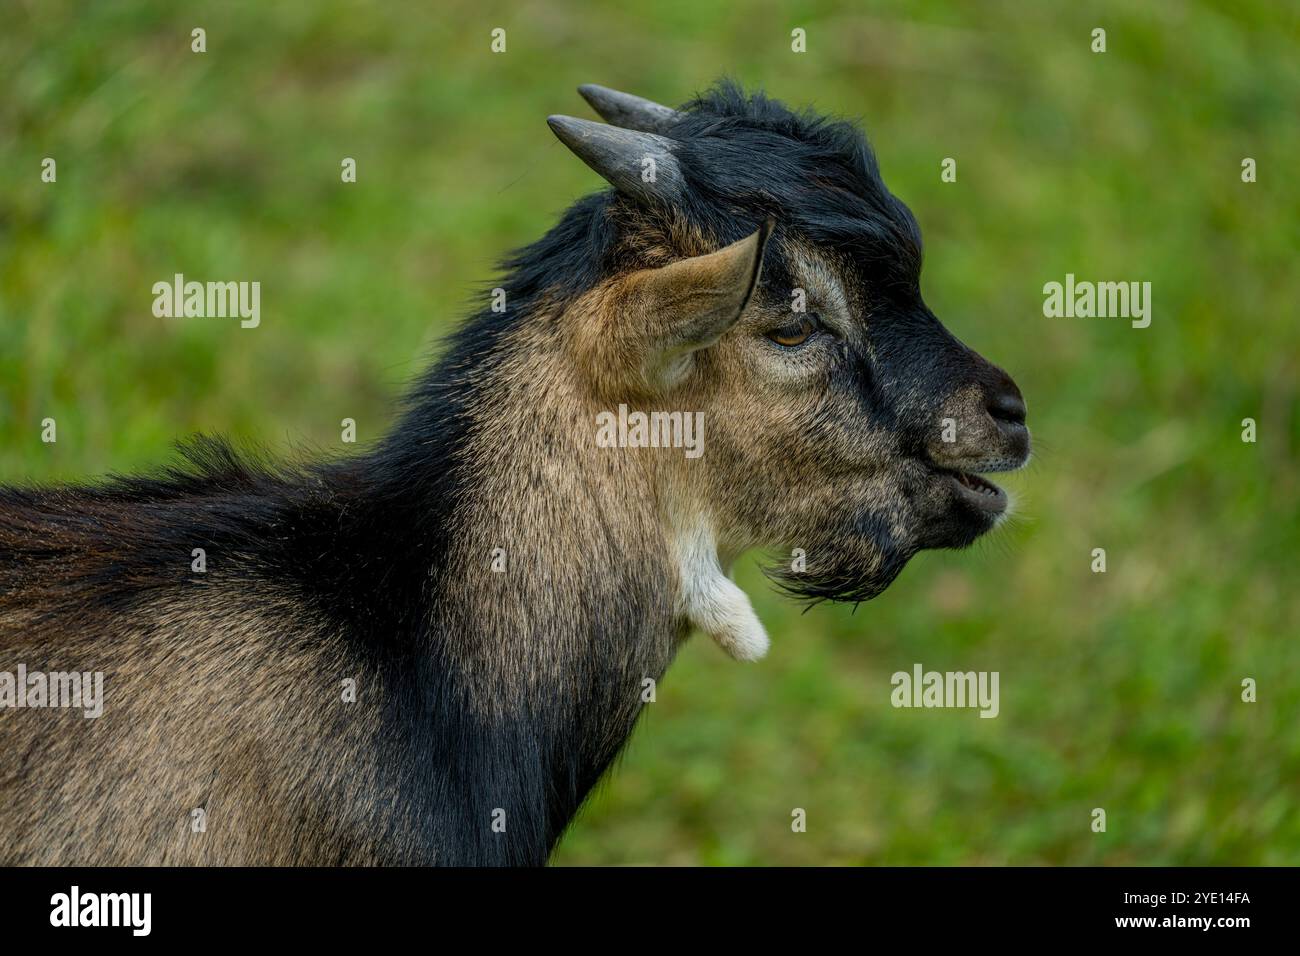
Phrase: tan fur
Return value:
(166, 743)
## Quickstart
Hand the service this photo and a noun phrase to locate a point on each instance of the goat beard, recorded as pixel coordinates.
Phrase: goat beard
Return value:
(850, 565)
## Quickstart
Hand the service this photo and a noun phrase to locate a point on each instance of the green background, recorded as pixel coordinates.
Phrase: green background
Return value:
(1118, 690)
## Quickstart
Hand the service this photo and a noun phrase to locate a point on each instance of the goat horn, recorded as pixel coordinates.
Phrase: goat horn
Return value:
(628, 111)
(620, 156)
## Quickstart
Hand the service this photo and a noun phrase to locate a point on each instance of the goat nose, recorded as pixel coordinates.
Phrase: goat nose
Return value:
(1007, 406)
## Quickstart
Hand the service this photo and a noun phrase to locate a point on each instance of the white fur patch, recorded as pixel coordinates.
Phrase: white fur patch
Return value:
(713, 603)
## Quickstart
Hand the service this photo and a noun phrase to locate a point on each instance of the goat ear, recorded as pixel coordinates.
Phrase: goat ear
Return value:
(666, 314)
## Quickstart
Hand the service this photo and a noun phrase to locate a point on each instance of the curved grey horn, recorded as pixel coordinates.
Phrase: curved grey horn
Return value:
(637, 164)
(628, 111)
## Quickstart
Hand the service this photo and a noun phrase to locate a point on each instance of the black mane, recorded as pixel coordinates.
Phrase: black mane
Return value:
(814, 174)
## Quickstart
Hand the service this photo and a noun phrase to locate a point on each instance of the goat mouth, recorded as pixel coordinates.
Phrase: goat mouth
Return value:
(978, 491)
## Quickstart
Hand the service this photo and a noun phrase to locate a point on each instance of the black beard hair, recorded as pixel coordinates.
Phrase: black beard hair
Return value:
(836, 565)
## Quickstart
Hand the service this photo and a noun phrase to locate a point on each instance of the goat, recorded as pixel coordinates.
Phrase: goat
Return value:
(429, 652)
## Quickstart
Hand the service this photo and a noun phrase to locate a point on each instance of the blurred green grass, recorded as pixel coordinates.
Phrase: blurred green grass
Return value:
(1118, 690)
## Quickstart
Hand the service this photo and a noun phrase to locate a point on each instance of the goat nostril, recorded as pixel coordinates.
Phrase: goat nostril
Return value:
(1007, 407)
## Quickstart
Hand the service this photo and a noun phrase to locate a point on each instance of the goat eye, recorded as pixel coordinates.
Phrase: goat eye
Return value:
(796, 332)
